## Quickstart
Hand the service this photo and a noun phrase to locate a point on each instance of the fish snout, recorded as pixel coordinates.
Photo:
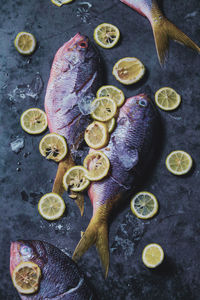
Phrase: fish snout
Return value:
(14, 255)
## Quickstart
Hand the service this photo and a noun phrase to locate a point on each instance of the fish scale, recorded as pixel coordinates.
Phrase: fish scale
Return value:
(130, 150)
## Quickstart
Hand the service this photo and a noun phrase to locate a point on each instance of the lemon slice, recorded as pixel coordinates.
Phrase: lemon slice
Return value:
(26, 277)
(97, 164)
(167, 99)
(110, 125)
(144, 205)
(76, 179)
(128, 70)
(105, 109)
(53, 146)
(96, 135)
(106, 35)
(179, 162)
(152, 255)
(51, 206)
(111, 92)
(34, 121)
(60, 2)
(25, 43)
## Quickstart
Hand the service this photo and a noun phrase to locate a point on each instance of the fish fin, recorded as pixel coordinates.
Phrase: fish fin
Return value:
(58, 187)
(96, 233)
(164, 31)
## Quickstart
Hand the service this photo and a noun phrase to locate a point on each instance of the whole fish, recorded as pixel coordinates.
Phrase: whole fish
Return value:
(74, 79)
(61, 279)
(130, 150)
(163, 29)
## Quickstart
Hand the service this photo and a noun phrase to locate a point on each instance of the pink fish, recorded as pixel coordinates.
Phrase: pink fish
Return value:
(130, 150)
(74, 79)
(163, 29)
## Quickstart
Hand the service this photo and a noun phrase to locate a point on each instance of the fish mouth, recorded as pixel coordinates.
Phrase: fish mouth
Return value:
(14, 255)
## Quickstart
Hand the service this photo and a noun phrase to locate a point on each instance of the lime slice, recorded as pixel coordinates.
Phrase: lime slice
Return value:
(51, 206)
(97, 165)
(152, 255)
(53, 146)
(110, 125)
(179, 162)
(25, 43)
(76, 179)
(26, 277)
(96, 135)
(128, 70)
(112, 92)
(144, 205)
(60, 2)
(167, 99)
(105, 109)
(106, 35)
(34, 121)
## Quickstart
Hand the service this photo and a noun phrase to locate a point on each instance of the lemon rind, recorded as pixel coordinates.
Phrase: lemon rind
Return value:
(59, 5)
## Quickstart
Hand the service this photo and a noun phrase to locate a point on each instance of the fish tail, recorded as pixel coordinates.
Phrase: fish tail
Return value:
(96, 233)
(163, 31)
(58, 187)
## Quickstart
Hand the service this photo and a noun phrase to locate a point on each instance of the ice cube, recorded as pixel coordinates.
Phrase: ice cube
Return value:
(85, 105)
(17, 145)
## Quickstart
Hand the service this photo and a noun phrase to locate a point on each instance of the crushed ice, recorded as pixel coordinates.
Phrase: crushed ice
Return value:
(24, 91)
(83, 11)
(85, 104)
(17, 145)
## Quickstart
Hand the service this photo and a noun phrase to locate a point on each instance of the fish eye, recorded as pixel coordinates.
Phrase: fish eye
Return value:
(26, 251)
(83, 44)
(143, 103)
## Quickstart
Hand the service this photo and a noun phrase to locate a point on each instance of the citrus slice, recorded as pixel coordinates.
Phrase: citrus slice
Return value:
(51, 206)
(106, 35)
(144, 205)
(112, 92)
(179, 162)
(110, 125)
(97, 164)
(128, 70)
(167, 99)
(53, 146)
(60, 2)
(152, 255)
(96, 135)
(34, 121)
(26, 277)
(105, 109)
(76, 179)
(25, 43)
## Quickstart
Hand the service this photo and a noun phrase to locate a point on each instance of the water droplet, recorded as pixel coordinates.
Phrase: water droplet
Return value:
(19, 163)
(17, 145)
(18, 169)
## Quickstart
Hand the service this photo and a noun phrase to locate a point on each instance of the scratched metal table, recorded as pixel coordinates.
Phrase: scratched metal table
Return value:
(26, 176)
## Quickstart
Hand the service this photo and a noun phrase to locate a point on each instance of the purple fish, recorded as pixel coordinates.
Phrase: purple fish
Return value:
(74, 79)
(61, 279)
(163, 29)
(130, 150)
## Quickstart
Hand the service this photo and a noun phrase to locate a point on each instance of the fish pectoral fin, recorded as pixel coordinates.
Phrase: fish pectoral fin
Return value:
(58, 187)
(165, 31)
(96, 233)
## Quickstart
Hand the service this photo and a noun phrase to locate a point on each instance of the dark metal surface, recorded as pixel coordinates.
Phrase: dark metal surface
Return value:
(26, 176)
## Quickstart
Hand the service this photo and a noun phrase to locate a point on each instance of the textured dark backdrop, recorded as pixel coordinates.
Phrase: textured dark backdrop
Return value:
(26, 176)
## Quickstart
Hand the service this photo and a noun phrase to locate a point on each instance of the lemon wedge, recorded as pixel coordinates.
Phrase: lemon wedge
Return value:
(97, 164)
(152, 255)
(167, 99)
(179, 162)
(106, 35)
(53, 146)
(25, 43)
(34, 121)
(128, 70)
(144, 205)
(26, 277)
(76, 179)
